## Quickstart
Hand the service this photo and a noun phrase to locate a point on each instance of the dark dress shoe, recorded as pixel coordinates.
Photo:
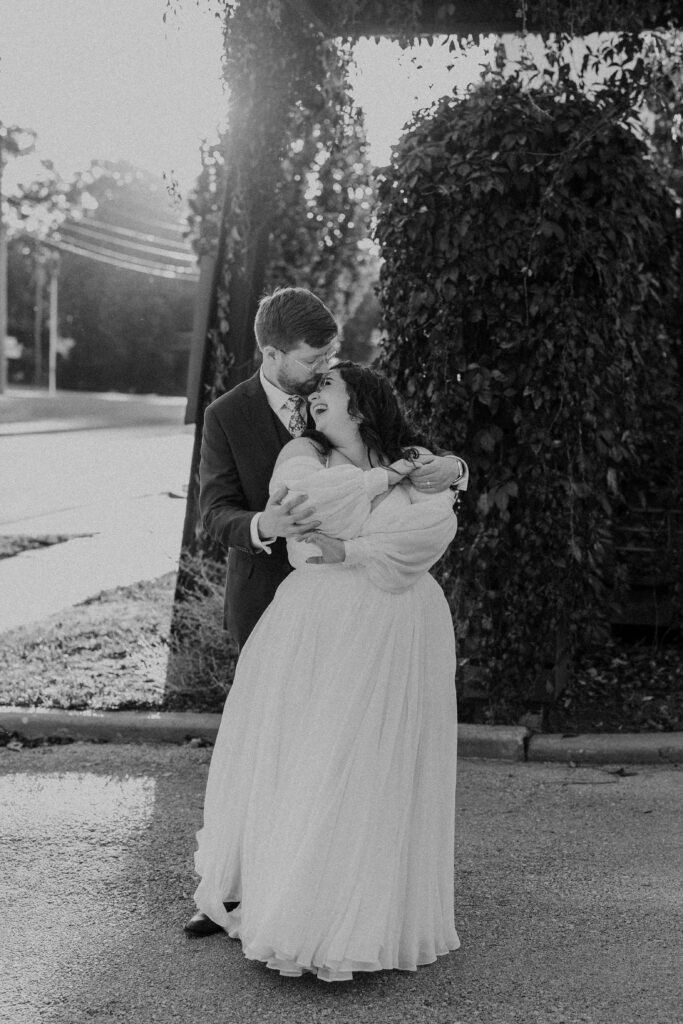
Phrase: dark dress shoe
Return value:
(201, 925)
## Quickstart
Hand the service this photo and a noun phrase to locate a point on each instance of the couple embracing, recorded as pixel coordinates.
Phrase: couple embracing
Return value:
(327, 843)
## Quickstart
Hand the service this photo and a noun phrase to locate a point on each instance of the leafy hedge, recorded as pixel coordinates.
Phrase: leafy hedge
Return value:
(531, 256)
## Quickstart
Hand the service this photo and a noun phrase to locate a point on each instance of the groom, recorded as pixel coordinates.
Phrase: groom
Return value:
(244, 431)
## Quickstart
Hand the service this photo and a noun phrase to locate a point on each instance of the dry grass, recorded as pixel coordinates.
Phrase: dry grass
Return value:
(14, 543)
(114, 651)
(108, 653)
(202, 656)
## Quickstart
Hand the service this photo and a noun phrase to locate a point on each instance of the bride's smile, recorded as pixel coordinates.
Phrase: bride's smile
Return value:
(329, 403)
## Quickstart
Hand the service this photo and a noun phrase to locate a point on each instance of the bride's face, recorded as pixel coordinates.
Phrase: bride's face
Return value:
(329, 405)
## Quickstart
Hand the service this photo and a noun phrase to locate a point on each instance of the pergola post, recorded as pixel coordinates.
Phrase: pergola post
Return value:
(263, 80)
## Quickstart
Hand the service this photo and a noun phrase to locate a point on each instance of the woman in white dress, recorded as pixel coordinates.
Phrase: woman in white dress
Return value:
(329, 809)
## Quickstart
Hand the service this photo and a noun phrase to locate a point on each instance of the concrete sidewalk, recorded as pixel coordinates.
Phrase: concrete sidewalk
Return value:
(118, 493)
(135, 539)
(568, 901)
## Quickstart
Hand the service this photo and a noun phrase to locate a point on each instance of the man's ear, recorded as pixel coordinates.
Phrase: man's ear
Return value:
(268, 352)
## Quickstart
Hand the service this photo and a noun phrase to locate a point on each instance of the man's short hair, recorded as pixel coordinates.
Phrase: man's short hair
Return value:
(293, 315)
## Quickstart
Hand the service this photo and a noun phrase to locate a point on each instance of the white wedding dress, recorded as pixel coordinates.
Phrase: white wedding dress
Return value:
(329, 809)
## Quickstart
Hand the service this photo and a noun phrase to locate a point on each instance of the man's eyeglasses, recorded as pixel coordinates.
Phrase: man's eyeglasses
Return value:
(315, 364)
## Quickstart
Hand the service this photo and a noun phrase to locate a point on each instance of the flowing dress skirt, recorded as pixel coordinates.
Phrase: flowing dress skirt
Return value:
(329, 810)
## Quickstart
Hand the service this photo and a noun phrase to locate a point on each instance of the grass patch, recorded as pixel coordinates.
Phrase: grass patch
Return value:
(14, 544)
(202, 655)
(108, 653)
(118, 652)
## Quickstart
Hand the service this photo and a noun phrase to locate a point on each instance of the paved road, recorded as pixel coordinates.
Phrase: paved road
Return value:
(569, 901)
(25, 410)
(110, 467)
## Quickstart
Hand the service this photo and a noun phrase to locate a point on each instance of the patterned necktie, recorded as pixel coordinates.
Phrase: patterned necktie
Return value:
(297, 423)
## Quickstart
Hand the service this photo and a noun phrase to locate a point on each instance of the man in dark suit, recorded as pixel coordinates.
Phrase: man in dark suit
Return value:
(244, 431)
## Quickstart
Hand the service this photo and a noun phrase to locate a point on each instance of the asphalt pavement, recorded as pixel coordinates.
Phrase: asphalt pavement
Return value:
(569, 897)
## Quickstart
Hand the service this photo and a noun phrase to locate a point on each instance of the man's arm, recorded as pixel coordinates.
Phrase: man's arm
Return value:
(222, 503)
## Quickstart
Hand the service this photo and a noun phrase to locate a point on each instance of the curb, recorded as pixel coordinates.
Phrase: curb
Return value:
(609, 748)
(495, 742)
(55, 725)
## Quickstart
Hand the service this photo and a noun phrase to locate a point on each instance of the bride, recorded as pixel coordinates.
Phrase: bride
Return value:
(329, 807)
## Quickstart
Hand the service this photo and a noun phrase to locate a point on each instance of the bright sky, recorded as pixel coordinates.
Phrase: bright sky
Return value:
(108, 79)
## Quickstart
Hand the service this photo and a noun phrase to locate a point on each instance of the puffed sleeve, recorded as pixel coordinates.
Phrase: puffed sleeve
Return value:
(341, 495)
(401, 546)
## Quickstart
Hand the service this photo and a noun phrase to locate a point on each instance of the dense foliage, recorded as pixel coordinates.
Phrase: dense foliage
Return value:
(664, 105)
(127, 331)
(532, 255)
(132, 331)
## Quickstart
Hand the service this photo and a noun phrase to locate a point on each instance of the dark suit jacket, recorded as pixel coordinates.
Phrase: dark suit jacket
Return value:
(241, 440)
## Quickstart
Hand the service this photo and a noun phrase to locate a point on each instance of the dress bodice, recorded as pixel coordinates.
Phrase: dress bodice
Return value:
(341, 495)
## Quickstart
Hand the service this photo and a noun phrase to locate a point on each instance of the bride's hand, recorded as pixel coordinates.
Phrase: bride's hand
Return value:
(332, 549)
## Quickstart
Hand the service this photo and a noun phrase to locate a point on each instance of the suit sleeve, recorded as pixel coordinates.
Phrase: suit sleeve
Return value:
(222, 503)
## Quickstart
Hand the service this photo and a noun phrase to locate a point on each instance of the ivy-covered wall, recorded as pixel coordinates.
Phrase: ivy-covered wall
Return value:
(532, 255)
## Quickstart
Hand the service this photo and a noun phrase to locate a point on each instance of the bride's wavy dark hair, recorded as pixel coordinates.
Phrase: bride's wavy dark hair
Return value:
(384, 427)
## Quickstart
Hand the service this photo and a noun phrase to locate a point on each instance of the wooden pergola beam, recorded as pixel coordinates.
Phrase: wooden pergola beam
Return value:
(484, 17)
(459, 17)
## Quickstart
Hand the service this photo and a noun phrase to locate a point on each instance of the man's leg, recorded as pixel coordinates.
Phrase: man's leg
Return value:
(250, 588)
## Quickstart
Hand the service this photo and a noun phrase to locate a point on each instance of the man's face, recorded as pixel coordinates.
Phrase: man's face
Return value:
(297, 372)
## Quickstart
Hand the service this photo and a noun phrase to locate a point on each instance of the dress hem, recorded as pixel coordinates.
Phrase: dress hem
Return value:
(295, 969)
(292, 967)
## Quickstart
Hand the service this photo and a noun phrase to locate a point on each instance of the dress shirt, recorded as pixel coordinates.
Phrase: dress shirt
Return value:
(277, 400)
(464, 474)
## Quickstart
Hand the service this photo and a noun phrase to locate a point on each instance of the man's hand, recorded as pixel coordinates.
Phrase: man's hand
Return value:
(332, 549)
(286, 517)
(399, 470)
(435, 473)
